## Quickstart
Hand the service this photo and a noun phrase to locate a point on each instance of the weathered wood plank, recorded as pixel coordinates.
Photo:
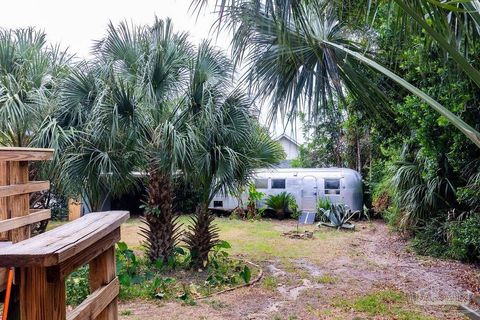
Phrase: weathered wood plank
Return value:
(17, 189)
(58, 245)
(103, 271)
(469, 312)
(25, 154)
(3, 278)
(4, 178)
(68, 266)
(19, 205)
(96, 302)
(3, 271)
(36, 215)
(40, 300)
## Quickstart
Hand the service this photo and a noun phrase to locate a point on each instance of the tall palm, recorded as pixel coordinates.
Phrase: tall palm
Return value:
(30, 72)
(132, 122)
(30, 75)
(298, 55)
(230, 143)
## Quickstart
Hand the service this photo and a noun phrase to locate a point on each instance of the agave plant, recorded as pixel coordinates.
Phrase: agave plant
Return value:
(281, 203)
(339, 216)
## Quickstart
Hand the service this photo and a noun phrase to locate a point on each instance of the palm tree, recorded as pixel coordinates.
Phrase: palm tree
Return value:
(230, 142)
(30, 72)
(30, 75)
(298, 54)
(127, 102)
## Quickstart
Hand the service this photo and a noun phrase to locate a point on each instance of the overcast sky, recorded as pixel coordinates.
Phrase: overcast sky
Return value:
(75, 24)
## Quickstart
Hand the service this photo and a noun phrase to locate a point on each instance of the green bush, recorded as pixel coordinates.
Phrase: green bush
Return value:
(322, 204)
(465, 239)
(432, 239)
(77, 287)
(281, 203)
(458, 240)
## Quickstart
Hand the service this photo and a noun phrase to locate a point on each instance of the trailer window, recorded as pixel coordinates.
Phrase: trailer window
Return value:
(261, 183)
(278, 183)
(217, 204)
(332, 186)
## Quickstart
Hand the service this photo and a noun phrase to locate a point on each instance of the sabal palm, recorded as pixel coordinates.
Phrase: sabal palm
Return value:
(230, 142)
(295, 49)
(132, 122)
(30, 74)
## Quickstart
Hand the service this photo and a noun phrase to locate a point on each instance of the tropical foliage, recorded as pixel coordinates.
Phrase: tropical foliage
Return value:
(388, 88)
(282, 204)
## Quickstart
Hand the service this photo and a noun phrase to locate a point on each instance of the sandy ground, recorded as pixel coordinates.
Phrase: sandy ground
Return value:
(370, 260)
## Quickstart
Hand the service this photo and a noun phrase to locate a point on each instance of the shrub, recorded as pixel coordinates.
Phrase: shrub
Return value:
(432, 239)
(280, 203)
(458, 240)
(253, 197)
(77, 287)
(322, 205)
(465, 239)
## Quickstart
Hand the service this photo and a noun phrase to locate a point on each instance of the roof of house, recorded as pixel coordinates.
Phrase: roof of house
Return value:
(283, 135)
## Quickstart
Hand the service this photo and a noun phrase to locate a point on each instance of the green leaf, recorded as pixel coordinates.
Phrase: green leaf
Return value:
(246, 274)
(470, 132)
(463, 63)
(223, 245)
(122, 246)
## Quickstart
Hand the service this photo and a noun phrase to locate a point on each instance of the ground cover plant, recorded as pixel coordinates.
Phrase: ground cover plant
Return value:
(167, 280)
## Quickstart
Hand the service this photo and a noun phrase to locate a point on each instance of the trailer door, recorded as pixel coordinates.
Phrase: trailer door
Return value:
(309, 194)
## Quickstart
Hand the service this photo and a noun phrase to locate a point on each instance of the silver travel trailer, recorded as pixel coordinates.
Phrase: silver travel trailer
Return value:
(339, 185)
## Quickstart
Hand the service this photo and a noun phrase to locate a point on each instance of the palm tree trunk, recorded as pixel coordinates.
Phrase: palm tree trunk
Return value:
(162, 230)
(203, 236)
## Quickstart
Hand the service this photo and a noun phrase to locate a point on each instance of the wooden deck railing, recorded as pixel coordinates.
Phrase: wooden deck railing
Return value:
(43, 262)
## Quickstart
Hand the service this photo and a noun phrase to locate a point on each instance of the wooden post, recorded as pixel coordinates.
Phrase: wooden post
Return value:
(74, 209)
(4, 179)
(41, 300)
(19, 205)
(102, 272)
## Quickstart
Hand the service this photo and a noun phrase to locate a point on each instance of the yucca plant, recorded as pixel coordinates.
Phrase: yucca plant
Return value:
(281, 203)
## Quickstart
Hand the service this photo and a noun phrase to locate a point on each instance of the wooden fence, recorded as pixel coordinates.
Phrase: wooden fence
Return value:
(42, 262)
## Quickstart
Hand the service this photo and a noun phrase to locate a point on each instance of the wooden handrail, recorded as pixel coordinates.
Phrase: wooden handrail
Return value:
(42, 263)
(36, 215)
(16, 189)
(45, 260)
(25, 154)
(58, 245)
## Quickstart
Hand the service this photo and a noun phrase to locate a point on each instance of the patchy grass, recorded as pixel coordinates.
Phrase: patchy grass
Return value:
(270, 283)
(385, 303)
(326, 279)
(260, 240)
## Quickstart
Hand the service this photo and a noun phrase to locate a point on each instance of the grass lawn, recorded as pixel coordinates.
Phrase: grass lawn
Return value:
(335, 275)
(260, 240)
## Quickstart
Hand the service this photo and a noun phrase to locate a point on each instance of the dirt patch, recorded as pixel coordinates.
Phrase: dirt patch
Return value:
(311, 286)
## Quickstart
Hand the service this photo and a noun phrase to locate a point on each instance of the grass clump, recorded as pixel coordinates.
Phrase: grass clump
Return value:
(326, 279)
(270, 283)
(385, 303)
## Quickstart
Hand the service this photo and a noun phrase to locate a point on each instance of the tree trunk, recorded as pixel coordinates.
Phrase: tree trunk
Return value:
(162, 229)
(203, 236)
